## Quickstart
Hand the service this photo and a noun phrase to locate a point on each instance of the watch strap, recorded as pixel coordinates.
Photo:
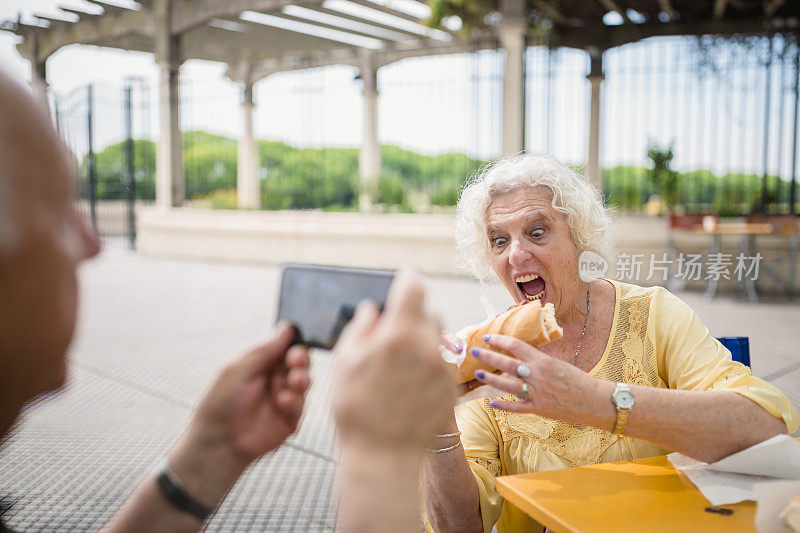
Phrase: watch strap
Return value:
(622, 420)
(174, 491)
(622, 413)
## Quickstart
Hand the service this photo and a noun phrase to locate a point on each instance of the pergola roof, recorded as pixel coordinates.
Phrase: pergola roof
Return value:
(229, 30)
(580, 23)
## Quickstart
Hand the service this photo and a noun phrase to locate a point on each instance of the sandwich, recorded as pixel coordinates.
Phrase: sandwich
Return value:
(529, 322)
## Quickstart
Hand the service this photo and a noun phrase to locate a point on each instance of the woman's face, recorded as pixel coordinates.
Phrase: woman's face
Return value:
(531, 247)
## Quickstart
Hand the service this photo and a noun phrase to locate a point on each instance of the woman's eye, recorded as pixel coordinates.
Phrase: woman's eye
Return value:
(498, 242)
(537, 233)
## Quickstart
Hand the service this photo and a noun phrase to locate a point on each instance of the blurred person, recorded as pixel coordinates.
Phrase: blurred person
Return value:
(253, 404)
(636, 373)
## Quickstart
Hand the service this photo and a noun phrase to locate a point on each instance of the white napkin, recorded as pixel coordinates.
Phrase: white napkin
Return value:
(483, 391)
(758, 473)
(732, 479)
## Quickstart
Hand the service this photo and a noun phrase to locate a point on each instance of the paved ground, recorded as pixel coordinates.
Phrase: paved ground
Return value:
(152, 333)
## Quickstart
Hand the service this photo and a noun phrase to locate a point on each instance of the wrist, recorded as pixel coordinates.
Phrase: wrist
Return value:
(603, 413)
(372, 475)
(365, 460)
(207, 465)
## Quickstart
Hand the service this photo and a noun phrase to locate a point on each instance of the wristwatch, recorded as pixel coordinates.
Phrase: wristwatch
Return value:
(623, 401)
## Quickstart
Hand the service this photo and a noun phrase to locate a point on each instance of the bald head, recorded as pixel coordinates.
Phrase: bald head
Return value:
(30, 154)
(42, 243)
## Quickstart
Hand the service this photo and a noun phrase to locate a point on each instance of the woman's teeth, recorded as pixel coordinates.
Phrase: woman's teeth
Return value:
(524, 279)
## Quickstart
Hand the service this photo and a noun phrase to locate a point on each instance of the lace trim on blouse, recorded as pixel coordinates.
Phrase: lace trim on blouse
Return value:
(584, 445)
(492, 465)
(580, 445)
(736, 370)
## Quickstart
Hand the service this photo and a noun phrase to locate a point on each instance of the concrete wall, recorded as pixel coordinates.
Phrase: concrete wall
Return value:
(384, 240)
(274, 237)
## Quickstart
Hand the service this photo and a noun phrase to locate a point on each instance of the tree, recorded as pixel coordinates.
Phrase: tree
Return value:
(662, 176)
(110, 169)
(472, 13)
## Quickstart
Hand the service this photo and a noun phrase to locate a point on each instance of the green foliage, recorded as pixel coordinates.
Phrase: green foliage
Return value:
(221, 199)
(471, 12)
(312, 178)
(391, 189)
(327, 178)
(628, 188)
(440, 176)
(662, 176)
(209, 163)
(447, 193)
(110, 171)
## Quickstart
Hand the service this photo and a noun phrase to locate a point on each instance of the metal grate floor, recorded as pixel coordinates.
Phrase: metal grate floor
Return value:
(153, 333)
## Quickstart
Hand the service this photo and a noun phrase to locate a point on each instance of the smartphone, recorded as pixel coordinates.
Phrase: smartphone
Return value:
(320, 300)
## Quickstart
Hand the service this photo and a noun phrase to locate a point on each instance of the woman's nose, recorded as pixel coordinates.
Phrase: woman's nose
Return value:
(518, 253)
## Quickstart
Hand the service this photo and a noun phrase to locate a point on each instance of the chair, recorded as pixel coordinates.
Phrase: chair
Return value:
(739, 348)
(685, 222)
(785, 226)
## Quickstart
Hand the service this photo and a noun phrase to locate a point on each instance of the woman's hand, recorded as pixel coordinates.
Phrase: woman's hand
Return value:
(557, 389)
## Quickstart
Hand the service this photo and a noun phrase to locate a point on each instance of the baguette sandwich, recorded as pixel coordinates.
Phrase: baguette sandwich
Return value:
(529, 322)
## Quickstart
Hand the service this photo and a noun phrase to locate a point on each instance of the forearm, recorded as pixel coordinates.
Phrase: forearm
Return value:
(705, 425)
(207, 471)
(451, 495)
(379, 488)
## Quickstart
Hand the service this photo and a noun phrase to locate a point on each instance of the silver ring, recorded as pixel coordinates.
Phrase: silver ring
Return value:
(525, 393)
(523, 371)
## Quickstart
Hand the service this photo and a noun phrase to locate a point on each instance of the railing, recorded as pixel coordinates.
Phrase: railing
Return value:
(728, 110)
(113, 179)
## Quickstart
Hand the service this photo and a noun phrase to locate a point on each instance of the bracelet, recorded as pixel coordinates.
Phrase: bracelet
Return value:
(174, 491)
(443, 450)
(445, 435)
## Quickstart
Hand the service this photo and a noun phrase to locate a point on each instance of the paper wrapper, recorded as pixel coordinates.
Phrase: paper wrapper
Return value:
(767, 473)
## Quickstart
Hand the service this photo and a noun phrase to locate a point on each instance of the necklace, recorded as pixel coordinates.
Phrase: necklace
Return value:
(585, 321)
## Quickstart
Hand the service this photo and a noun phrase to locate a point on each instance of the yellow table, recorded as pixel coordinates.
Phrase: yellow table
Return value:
(646, 495)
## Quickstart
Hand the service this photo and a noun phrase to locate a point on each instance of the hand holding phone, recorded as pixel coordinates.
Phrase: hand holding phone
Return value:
(320, 300)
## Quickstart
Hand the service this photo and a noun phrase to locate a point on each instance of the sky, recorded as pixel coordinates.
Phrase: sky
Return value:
(453, 103)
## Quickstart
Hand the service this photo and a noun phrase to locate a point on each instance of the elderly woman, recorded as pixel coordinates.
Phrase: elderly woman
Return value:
(636, 373)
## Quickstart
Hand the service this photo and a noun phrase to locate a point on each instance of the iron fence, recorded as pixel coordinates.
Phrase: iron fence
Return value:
(726, 110)
(114, 179)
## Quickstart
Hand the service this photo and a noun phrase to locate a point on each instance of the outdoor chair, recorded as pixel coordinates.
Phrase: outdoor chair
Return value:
(739, 348)
(784, 226)
(685, 222)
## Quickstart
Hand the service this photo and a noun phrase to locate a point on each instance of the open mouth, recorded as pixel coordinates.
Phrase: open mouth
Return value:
(531, 285)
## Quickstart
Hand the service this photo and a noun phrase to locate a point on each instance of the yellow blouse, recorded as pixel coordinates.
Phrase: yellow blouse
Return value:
(656, 340)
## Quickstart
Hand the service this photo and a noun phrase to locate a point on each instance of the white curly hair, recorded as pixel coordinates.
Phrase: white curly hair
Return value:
(572, 194)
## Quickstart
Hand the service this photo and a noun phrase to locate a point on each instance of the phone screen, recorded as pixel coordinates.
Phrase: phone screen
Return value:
(321, 300)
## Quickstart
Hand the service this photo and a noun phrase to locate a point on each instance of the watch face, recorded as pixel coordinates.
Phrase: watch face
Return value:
(624, 399)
